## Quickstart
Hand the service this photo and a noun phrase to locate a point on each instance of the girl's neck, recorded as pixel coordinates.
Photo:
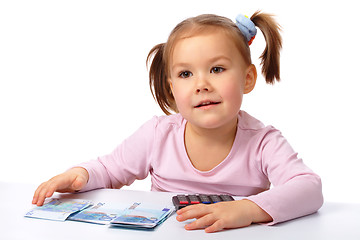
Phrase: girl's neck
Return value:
(222, 134)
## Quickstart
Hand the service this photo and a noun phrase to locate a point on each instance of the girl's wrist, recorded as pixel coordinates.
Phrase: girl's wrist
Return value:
(258, 215)
(82, 171)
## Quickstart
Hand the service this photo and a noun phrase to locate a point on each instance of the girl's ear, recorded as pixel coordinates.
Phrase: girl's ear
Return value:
(170, 84)
(250, 80)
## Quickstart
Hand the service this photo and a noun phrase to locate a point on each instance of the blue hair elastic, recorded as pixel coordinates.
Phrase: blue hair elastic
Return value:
(247, 27)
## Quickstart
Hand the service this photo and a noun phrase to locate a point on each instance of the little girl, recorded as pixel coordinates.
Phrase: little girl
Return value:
(209, 146)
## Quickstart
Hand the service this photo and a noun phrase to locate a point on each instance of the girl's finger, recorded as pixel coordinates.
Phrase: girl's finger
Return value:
(201, 223)
(216, 226)
(37, 192)
(193, 211)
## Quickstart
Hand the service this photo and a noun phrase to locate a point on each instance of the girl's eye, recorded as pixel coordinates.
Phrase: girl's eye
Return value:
(185, 74)
(217, 70)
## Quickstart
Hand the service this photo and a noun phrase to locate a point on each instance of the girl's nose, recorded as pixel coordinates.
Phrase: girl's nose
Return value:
(205, 89)
(202, 84)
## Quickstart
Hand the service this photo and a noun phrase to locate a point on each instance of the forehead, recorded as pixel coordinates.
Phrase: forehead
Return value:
(205, 44)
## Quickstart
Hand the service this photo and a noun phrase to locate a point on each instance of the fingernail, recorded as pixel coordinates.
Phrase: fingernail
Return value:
(188, 227)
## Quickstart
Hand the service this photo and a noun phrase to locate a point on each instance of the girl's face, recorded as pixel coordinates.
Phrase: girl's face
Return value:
(208, 78)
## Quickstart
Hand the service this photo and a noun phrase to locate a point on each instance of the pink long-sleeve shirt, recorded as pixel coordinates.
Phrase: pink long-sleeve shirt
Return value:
(260, 157)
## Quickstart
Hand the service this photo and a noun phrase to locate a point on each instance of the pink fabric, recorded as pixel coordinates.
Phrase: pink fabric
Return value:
(260, 156)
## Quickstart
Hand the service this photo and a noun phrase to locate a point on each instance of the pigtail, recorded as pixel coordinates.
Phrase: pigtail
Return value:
(159, 86)
(270, 58)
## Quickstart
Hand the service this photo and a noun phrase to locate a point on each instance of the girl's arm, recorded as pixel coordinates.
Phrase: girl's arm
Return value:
(296, 190)
(129, 161)
(125, 164)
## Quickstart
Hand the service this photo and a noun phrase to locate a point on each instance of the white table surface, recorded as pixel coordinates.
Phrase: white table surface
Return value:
(333, 221)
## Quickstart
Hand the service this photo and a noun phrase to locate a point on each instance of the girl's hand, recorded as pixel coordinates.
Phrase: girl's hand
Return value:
(70, 181)
(222, 215)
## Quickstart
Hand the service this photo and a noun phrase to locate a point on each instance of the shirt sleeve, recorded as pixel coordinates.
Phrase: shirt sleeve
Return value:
(128, 162)
(296, 190)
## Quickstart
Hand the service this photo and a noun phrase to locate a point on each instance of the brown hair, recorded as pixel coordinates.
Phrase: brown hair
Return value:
(160, 55)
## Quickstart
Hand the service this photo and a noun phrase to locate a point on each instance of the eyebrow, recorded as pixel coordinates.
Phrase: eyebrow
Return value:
(220, 57)
(211, 60)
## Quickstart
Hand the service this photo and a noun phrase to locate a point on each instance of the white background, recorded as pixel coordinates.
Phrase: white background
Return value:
(74, 84)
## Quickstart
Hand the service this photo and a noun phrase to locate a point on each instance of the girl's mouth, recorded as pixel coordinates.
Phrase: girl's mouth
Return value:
(206, 103)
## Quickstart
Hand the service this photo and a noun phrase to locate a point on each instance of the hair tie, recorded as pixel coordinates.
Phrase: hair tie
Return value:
(247, 27)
